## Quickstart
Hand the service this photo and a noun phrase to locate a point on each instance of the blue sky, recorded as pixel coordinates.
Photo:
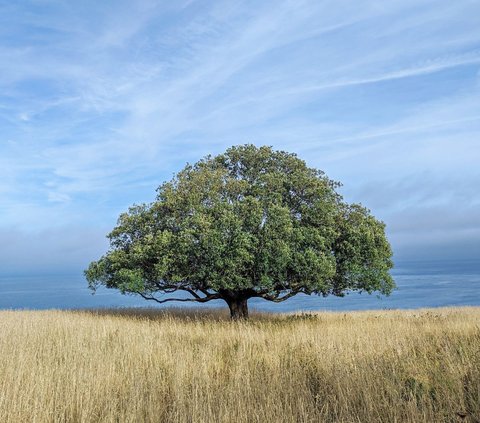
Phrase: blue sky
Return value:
(102, 101)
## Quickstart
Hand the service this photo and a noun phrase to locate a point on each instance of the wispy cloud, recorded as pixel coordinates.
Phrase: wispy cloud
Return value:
(101, 101)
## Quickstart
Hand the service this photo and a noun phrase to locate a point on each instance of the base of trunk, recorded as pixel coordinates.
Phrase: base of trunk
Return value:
(238, 308)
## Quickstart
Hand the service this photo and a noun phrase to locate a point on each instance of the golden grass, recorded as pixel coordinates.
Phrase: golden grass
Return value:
(147, 366)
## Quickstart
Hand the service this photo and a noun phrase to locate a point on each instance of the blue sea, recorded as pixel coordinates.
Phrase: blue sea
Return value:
(419, 284)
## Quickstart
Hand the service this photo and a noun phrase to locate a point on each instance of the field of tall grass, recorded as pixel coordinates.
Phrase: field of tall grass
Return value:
(151, 366)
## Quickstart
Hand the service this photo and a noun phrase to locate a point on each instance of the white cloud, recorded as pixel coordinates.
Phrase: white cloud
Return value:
(58, 197)
(103, 104)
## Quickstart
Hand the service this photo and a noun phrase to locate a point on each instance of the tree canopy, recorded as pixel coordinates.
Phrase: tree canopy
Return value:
(251, 222)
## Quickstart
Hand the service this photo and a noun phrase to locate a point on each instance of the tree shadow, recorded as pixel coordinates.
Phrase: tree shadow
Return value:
(177, 313)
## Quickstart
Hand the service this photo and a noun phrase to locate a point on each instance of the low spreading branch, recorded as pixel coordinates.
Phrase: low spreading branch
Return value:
(276, 298)
(197, 298)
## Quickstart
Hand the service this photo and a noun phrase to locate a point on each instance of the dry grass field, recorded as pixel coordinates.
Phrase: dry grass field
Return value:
(150, 366)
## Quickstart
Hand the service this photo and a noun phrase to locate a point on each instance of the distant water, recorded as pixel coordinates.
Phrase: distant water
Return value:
(419, 284)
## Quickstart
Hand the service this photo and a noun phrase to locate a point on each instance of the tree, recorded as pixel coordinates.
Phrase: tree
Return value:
(251, 222)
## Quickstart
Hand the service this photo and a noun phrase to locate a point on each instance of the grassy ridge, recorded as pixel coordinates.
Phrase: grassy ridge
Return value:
(405, 366)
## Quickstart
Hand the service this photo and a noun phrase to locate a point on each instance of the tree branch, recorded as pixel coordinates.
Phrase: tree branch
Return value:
(277, 299)
(171, 288)
(193, 293)
(197, 299)
(181, 286)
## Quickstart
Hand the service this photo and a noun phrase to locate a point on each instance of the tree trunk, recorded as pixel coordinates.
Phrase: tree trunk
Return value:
(238, 308)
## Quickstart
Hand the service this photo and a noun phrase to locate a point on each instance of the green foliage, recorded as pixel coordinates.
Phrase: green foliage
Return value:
(252, 222)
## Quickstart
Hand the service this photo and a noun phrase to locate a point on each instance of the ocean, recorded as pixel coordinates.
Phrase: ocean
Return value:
(419, 284)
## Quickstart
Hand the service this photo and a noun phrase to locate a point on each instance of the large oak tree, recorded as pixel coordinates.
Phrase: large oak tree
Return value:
(252, 222)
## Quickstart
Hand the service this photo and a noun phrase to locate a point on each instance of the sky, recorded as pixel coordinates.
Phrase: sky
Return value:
(100, 102)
